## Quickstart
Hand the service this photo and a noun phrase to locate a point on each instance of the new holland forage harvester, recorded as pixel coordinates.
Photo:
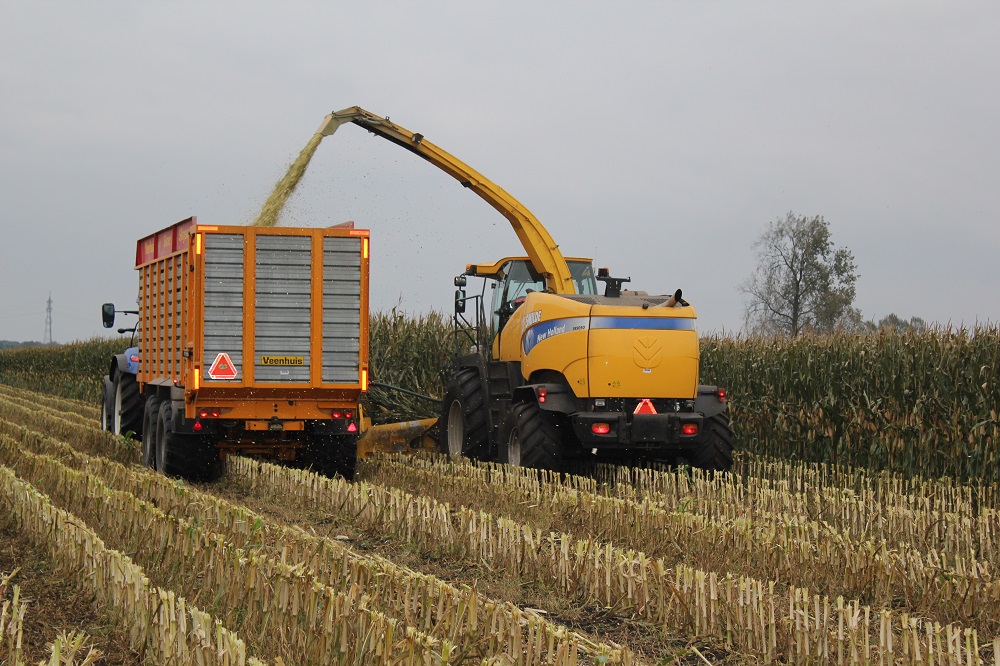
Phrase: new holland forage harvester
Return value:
(551, 369)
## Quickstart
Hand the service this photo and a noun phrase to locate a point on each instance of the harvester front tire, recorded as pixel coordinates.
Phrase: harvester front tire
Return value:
(108, 405)
(462, 426)
(716, 450)
(128, 407)
(192, 457)
(532, 439)
(149, 427)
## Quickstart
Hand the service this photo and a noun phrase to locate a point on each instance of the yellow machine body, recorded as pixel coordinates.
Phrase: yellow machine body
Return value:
(609, 351)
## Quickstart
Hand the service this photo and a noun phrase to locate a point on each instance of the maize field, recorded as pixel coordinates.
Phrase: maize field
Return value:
(912, 403)
(860, 524)
(431, 560)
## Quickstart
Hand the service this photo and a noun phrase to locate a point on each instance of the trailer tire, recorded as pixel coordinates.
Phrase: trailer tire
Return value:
(191, 457)
(149, 427)
(463, 427)
(108, 405)
(333, 454)
(128, 407)
(716, 450)
(532, 439)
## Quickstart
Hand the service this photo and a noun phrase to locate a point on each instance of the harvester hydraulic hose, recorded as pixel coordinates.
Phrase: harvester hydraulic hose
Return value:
(402, 390)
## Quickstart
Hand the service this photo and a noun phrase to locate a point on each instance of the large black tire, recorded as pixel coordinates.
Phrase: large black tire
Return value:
(531, 439)
(192, 457)
(108, 405)
(463, 423)
(716, 449)
(332, 454)
(128, 407)
(149, 427)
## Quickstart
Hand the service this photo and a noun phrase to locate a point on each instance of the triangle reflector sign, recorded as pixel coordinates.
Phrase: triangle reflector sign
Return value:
(222, 367)
(645, 407)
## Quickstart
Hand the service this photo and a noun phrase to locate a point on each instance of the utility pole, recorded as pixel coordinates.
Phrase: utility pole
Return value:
(48, 322)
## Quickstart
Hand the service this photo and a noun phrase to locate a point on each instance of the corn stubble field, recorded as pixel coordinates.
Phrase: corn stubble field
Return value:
(429, 560)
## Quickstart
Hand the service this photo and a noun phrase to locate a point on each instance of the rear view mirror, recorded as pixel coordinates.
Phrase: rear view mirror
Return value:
(460, 301)
(108, 314)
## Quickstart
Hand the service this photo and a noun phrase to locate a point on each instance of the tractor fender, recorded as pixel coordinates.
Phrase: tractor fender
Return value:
(558, 397)
(119, 363)
(707, 403)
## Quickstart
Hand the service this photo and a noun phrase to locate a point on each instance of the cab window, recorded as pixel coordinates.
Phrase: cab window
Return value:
(583, 277)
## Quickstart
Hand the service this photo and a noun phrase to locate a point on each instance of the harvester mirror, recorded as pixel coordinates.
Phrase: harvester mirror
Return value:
(108, 314)
(460, 301)
(461, 281)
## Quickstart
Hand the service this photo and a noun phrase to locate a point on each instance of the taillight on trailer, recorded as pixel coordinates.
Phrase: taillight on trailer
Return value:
(600, 428)
(197, 426)
(722, 394)
(348, 414)
(352, 427)
(542, 393)
(689, 429)
(336, 414)
(209, 412)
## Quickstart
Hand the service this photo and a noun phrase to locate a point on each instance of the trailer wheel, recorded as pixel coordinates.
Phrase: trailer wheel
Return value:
(128, 407)
(191, 457)
(463, 418)
(149, 427)
(532, 439)
(332, 454)
(716, 450)
(108, 405)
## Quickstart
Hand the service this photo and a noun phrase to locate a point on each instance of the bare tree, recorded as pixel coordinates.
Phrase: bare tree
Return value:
(802, 282)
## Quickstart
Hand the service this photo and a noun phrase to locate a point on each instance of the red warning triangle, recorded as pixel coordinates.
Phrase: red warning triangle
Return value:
(222, 368)
(645, 407)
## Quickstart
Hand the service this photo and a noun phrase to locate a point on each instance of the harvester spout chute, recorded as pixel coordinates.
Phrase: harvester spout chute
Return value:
(545, 256)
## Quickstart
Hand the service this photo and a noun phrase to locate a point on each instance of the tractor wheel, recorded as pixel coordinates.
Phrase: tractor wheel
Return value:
(128, 409)
(149, 423)
(192, 457)
(716, 450)
(463, 418)
(532, 439)
(108, 405)
(331, 454)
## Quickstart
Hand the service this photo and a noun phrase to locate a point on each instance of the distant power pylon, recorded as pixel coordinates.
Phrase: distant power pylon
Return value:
(48, 322)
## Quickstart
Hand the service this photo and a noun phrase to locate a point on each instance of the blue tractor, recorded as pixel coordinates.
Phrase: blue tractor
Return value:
(122, 406)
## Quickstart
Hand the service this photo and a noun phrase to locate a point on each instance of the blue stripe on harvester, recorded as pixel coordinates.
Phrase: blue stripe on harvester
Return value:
(652, 323)
(550, 329)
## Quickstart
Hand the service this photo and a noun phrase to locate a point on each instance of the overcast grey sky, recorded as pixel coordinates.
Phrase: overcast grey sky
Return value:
(658, 137)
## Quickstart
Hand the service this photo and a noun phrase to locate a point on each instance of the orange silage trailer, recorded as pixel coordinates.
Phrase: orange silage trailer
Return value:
(251, 340)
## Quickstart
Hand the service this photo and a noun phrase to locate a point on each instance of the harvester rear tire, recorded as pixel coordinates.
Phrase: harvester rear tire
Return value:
(532, 439)
(149, 424)
(716, 451)
(128, 407)
(192, 457)
(108, 405)
(462, 428)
